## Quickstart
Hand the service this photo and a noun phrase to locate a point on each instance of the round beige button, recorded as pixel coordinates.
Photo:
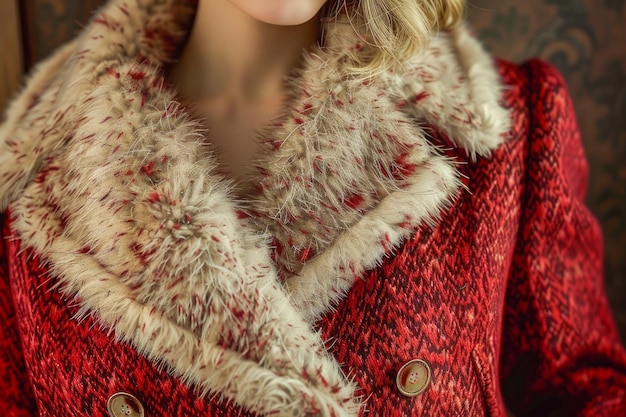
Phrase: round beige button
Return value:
(123, 404)
(413, 378)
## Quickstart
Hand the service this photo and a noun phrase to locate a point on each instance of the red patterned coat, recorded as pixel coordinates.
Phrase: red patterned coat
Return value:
(432, 213)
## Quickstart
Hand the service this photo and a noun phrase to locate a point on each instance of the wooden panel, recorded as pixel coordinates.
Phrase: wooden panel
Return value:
(11, 63)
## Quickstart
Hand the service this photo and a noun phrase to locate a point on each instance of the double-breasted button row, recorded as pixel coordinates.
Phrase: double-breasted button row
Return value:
(123, 404)
(413, 377)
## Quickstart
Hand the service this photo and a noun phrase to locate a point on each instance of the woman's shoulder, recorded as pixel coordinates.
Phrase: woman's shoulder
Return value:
(31, 121)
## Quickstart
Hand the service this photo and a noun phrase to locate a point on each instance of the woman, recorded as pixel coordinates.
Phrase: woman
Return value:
(396, 230)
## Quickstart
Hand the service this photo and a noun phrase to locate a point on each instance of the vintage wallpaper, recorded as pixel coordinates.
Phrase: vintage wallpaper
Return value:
(585, 39)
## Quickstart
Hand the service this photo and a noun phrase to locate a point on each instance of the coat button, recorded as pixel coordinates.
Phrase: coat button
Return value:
(123, 404)
(413, 378)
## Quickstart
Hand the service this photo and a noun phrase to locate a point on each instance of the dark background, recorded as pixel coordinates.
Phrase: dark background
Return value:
(585, 39)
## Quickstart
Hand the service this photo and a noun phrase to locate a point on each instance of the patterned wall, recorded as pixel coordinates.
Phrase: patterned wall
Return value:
(585, 39)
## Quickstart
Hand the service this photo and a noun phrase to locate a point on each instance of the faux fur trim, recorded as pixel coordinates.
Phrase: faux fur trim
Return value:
(112, 183)
(355, 173)
(28, 135)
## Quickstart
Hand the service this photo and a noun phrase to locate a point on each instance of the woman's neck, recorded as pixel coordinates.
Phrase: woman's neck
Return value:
(231, 54)
(232, 73)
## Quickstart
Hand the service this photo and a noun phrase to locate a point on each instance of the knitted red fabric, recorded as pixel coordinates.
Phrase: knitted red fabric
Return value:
(15, 391)
(503, 299)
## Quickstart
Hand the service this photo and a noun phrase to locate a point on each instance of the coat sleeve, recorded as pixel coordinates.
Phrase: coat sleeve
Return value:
(16, 396)
(561, 350)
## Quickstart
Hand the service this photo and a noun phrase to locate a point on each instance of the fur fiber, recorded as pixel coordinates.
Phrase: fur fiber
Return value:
(113, 183)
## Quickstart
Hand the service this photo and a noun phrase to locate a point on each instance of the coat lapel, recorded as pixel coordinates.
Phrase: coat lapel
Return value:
(114, 186)
(349, 172)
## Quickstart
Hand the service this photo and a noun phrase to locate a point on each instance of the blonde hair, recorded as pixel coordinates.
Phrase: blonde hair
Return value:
(396, 28)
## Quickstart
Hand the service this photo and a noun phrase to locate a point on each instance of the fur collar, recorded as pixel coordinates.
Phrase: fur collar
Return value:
(111, 181)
